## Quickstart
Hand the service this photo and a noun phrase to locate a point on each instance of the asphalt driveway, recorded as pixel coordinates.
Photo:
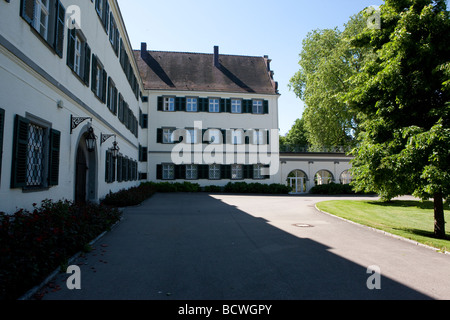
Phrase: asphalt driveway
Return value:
(230, 247)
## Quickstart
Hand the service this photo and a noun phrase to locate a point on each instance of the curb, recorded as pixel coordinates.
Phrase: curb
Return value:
(385, 233)
(28, 295)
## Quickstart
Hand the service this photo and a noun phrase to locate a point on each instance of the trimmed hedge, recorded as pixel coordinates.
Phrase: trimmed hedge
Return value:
(33, 244)
(129, 197)
(334, 189)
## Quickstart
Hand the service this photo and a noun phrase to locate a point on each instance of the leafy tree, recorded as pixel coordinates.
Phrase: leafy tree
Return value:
(402, 100)
(327, 61)
(296, 137)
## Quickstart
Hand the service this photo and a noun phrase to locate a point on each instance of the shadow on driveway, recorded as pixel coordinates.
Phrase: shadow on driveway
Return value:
(196, 247)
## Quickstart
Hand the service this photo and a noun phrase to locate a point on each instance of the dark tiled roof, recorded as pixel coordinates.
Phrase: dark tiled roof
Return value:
(196, 72)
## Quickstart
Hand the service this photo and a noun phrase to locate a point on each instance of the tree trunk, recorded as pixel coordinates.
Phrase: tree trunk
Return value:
(439, 220)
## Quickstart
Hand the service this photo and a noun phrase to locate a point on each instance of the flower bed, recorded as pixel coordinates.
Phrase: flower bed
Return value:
(33, 244)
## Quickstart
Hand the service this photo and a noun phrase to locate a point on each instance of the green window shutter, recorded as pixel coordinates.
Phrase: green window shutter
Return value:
(160, 103)
(203, 171)
(2, 127)
(159, 136)
(159, 174)
(87, 64)
(59, 29)
(104, 85)
(180, 104)
(105, 18)
(71, 48)
(27, 10)
(107, 167)
(228, 105)
(248, 171)
(222, 107)
(94, 74)
(54, 157)
(266, 107)
(180, 172)
(19, 155)
(119, 169)
(225, 171)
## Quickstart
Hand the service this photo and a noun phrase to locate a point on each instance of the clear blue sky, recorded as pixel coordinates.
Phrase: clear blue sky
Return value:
(242, 27)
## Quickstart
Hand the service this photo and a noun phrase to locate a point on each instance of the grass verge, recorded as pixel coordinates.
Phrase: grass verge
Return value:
(413, 220)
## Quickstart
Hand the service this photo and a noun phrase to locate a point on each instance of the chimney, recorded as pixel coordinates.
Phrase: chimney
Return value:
(216, 57)
(143, 48)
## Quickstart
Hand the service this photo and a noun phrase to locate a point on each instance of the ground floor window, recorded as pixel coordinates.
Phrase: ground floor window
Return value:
(35, 154)
(191, 172)
(236, 172)
(214, 172)
(323, 177)
(168, 172)
(346, 177)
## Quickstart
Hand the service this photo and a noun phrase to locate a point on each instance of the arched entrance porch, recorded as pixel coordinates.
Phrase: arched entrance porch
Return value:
(85, 188)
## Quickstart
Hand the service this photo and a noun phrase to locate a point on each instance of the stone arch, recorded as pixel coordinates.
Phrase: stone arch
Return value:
(85, 171)
(323, 177)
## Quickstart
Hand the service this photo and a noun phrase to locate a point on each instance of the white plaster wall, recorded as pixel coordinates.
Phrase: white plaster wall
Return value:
(23, 91)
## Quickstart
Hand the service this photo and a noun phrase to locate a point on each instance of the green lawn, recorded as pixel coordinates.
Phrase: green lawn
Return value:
(409, 219)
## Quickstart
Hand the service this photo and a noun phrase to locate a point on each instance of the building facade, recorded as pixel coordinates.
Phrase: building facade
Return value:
(213, 118)
(82, 114)
(66, 72)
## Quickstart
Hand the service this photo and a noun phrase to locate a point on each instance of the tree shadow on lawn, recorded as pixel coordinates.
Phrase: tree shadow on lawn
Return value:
(425, 205)
(425, 234)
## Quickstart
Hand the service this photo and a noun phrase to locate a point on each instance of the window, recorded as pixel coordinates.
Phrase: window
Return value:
(112, 96)
(168, 172)
(102, 8)
(191, 104)
(346, 177)
(214, 105)
(258, 137)
(214, 172)
(47, 18)
(78, 55)
(99, 76)
(236, 106)
(213, 136)
(191, 172)
(36, 156)
(167, 135)
(323, 177)
(110, 167)
(114, 34)
(169, 104)
(236, 172)
(237, 136)
(257, 107)
(191, 136)
(257, 173)
(41, 15)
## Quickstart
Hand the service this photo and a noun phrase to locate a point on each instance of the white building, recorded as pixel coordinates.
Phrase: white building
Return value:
(68, 74)
(228, 107)
(52, 77)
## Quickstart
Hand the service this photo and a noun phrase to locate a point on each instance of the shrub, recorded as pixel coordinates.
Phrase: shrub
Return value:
(129, 197)
(332, 189)
(243, 187)
(33, 244)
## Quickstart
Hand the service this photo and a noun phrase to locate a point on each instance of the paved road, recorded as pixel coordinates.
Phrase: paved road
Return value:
(215, 247)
